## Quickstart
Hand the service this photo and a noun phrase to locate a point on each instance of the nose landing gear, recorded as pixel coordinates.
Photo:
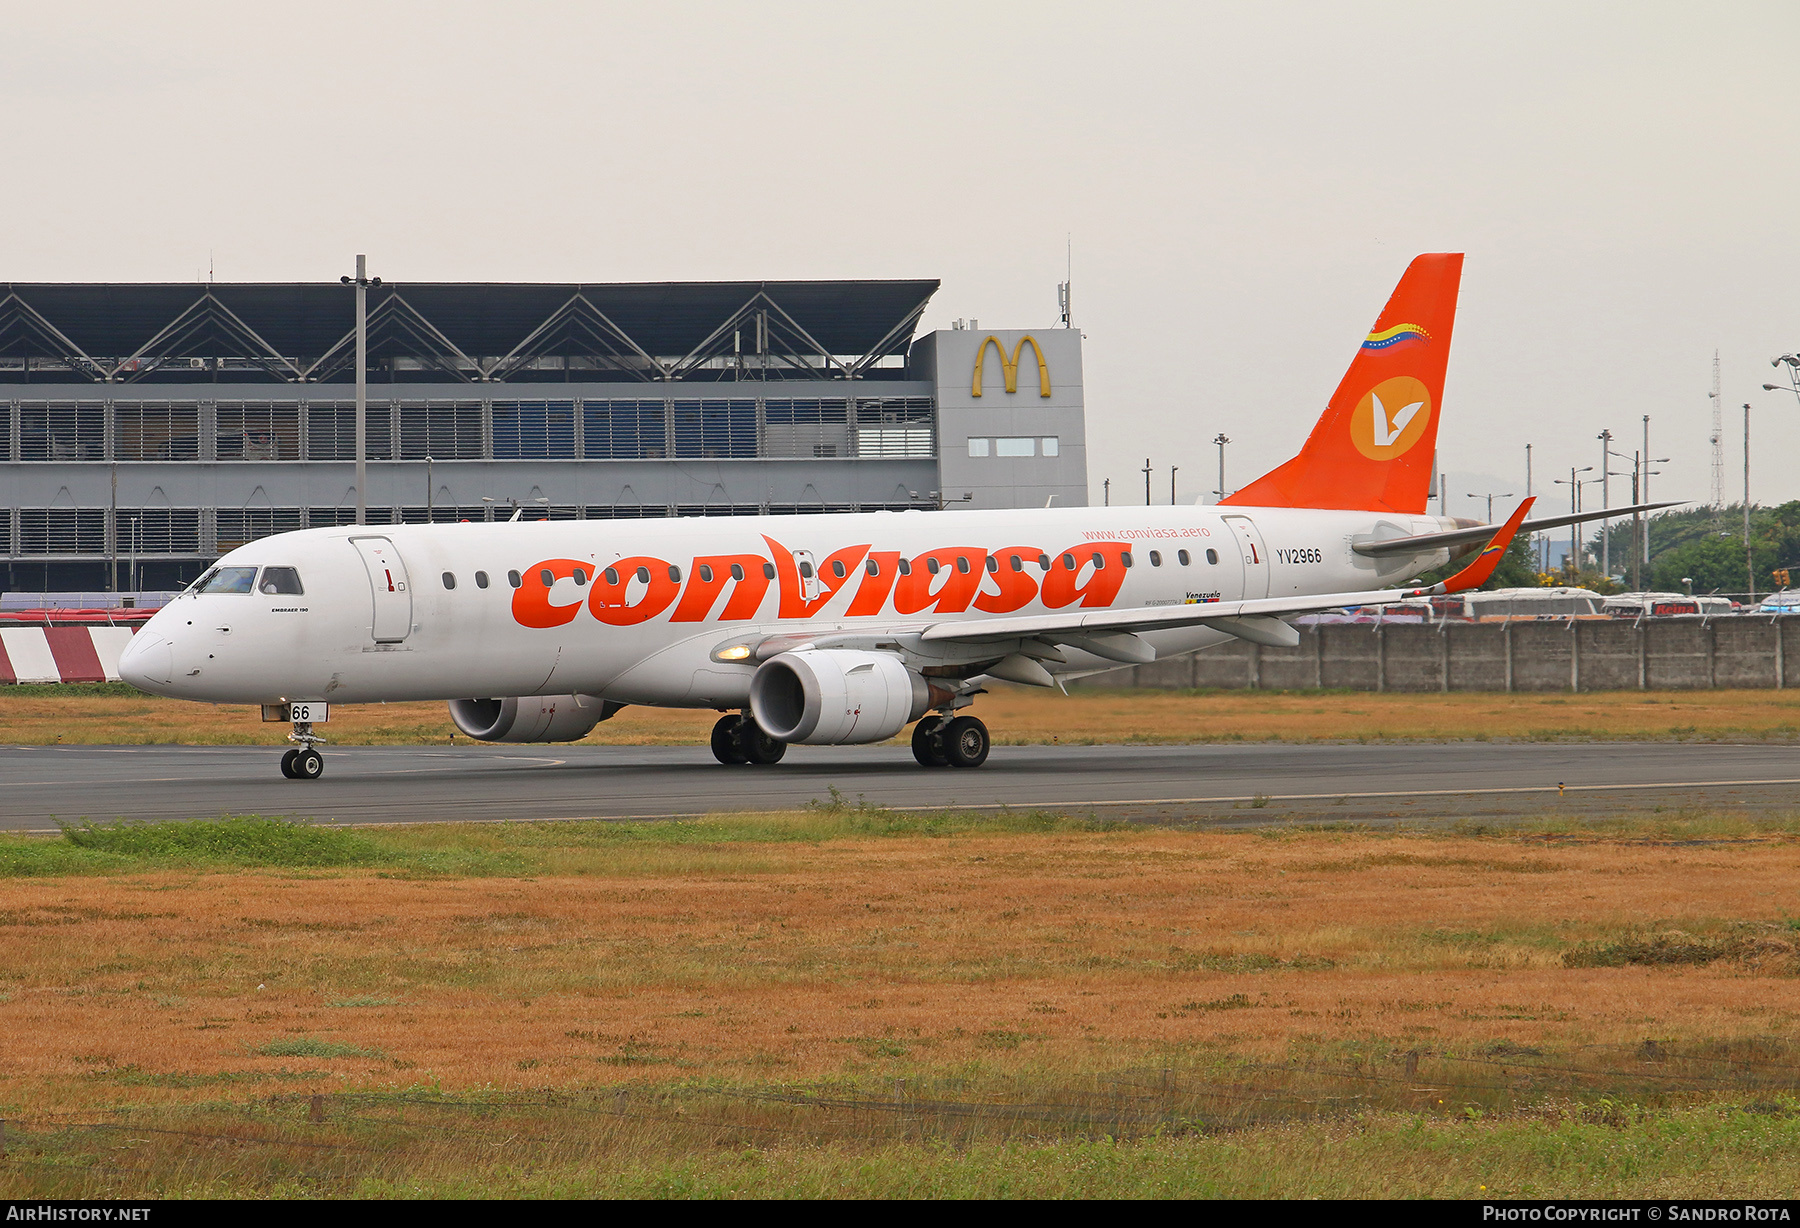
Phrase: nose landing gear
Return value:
(304, 762)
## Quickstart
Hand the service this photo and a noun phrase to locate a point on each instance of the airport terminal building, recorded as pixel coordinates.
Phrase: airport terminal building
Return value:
(149, 428)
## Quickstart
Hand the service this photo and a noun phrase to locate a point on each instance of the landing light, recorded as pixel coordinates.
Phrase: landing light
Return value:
(737, 652)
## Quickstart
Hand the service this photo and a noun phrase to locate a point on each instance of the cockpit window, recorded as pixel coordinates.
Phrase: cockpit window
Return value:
(230, 580)
(281, 581)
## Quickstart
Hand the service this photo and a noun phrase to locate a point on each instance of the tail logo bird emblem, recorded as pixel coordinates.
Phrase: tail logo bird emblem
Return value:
(1391, 418)
(1385, 435)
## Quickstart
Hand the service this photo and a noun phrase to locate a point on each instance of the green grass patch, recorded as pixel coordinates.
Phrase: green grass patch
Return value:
(312, 1046)
(73, 690)
(485, 849)
(250, 840)
(750, 842)
(1125, 1140)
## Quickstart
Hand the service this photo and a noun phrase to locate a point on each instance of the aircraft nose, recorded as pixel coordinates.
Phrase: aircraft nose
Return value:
(148, 662)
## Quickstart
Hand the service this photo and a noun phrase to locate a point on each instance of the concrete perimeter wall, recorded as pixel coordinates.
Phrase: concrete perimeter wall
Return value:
(1745, 652)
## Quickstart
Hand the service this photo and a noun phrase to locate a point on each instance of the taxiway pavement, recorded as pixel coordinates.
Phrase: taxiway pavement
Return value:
(1234, 784)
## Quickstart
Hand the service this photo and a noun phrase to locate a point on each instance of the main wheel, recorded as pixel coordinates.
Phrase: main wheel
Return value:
(726, 746)
(309, 764)
(966, 742)
(759, 745)
(928, 742)
(287, 763)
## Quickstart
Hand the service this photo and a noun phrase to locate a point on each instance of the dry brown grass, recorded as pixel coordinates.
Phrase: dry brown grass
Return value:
(870, 956)
(1017, 716)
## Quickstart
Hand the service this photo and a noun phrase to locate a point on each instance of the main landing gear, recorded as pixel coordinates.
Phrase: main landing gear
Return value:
(960, 741)
(739, 739)
(304, 762)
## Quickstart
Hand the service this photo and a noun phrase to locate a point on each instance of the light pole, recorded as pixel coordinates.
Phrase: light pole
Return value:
(1221, 440)
(1106, 493)
(1605, 438)
(1749, 560)
(362, 283)
(1146, 481)
(1173, 470)
(1575, 484)
(1490, 497)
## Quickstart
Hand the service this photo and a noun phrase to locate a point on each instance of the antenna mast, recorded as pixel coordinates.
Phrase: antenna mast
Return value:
(1718, 442)
(1063, 289)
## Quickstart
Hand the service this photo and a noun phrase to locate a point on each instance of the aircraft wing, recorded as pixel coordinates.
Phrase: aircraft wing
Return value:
(1111, 633)
(1461, 537)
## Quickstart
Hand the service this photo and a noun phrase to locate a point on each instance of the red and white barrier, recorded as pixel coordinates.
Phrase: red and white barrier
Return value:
(50, 653)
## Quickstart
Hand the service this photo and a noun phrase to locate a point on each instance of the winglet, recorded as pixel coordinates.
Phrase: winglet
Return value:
(1477, 572)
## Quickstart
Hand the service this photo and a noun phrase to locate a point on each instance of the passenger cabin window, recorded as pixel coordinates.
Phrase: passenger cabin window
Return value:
(737, 571)
(1043, 562)
(1156, 558)
(513, 578)
(806, 569)
(281, 582)
(837, 568)
(230, 580)
(675, 574)
(546, 576)
(705, 574)
(449, 579)
(906, 567)
(962, 564)
(580, 576)
(481, 579)
(768, 571)
(932, 566)
(1212, 556)
(872, 567)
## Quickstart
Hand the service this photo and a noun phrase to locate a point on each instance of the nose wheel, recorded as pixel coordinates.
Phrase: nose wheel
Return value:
(304, 762)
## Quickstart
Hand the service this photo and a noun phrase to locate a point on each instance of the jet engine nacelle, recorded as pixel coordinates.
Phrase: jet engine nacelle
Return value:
(534, 718)
(836, 696)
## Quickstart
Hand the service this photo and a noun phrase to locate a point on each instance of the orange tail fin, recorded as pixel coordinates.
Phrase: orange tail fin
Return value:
(1374, 447)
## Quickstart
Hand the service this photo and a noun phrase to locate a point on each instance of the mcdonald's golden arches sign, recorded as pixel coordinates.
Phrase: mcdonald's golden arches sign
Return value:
(1009, 364)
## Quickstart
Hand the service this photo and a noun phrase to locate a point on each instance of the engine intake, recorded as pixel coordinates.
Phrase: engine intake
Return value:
(836, 696)
(534, 718)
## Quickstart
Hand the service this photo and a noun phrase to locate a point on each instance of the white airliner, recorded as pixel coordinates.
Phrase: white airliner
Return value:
(829, 629)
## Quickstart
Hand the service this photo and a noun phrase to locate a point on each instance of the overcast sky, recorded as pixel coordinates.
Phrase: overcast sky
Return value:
(1243, 185)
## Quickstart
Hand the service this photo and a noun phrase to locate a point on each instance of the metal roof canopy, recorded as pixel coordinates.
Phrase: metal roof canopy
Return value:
(302, 332)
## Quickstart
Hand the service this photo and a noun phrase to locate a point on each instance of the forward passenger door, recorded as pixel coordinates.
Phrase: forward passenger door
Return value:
(391, 619)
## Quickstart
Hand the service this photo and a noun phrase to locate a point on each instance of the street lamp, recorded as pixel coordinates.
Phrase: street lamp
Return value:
(362, 282)
(1575, 484)
(1640, 555)
(1490, 497)
(1221, 440)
